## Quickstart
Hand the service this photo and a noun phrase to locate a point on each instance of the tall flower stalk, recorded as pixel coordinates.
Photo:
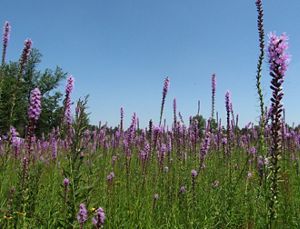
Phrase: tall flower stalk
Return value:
(67, 107)
(22, 63)
(164, 94)
(278, 60)
(228, 111)
(261, 34)
(121, 119)
(213, 95)
(6, 34)
(34, 111)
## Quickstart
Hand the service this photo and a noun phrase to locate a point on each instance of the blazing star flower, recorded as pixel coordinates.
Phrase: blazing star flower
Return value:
(278, 60)
(6, 33)
(82, 214)
(182, 190)
(278, 57)
(110, 177)
(164, 94)
(25, 54)
(69, 88)
(35, 107)
(66, 182)
(194, 173)
(213, 94)
(99, 219)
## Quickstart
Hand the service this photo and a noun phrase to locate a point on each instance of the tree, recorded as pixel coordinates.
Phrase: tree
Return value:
(47, 81)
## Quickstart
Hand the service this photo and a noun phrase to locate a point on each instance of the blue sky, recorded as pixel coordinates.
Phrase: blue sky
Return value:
(120, 51)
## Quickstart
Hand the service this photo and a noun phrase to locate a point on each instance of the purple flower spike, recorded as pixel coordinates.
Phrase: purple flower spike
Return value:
(228, 106)
(6, 34)
(278, 57)
(99, 219)
(164, 94)
(25, 54)
(82, 214)
(69, 88)
(213, 94)
(278, 60)
(35, 107)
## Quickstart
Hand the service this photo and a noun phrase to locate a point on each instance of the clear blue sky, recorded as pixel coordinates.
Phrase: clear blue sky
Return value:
(120, 51)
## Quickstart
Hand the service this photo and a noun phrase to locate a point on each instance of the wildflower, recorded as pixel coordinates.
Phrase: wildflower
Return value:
(98, 220)
(164, 94)
(35, 107)
(66, 182)
(69, 88)
(110, 177)
(182, 190)
(25, 54)
(213, 94)
(278, 60)
(82, 214)
(6, 33)
(194, 173)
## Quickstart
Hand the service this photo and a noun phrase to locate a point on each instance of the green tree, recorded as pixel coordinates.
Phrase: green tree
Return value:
(47, 81)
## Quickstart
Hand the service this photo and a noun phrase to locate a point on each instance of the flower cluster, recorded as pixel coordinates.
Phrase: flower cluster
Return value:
(99, 219)
(278, 57)
(69, 88)
(35, 107)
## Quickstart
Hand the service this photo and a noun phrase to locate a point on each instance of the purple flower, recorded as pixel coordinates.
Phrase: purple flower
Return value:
(82, 214)
(213, 93)
(182, 190)
(110, 177)
(66, 182)
(164, 94)
(122, 118)
(278, 57)
(13, 132)
(252, 150)
(99, 219)
(194, 173)
(174, 113)
(35, 107)
(166, 87)
(69, 88)
(25, 54)
(228, 103)
(204, 147)
(6, 33)
(278, 60)
(228, 106)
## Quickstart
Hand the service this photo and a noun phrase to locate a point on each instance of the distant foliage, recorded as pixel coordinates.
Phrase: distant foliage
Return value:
(47, 81)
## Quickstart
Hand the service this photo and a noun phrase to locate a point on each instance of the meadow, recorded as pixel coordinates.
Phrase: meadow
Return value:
(58, 171)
